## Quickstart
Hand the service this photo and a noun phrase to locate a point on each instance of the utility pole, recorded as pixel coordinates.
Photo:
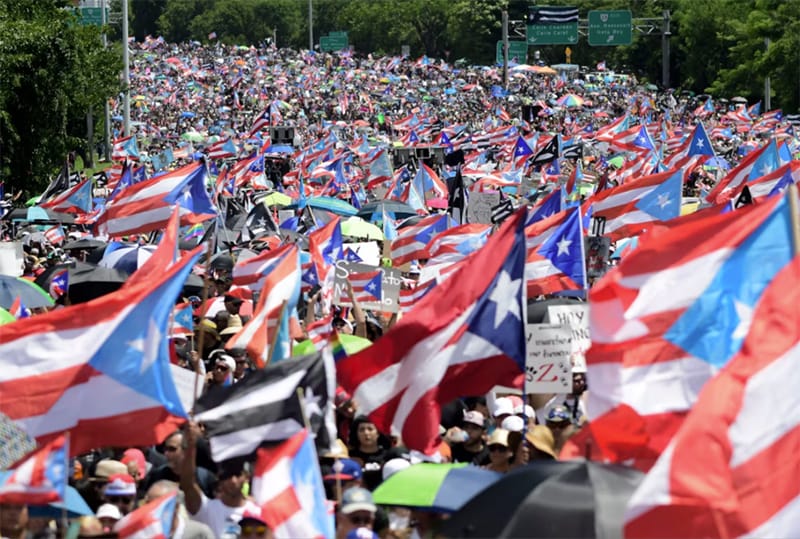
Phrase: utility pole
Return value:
(665, 33)
(126, 71)
(767, 85)
(505, 49)
(107, 108)
(311, 25)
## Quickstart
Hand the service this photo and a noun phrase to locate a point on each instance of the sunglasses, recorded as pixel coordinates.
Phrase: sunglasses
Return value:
(361, 520)
(254, 530)
(497, 447)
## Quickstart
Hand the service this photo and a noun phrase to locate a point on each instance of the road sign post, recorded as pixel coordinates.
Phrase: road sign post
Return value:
(610, 28)
(517, 52)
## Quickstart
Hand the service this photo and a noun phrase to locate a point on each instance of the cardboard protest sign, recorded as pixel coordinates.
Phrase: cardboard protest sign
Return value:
(390, 286)
(548, 367)
(11, 258)
(480, 207)
(576, 317)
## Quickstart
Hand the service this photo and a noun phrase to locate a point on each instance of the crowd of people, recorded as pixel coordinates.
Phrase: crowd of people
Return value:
(188, 97)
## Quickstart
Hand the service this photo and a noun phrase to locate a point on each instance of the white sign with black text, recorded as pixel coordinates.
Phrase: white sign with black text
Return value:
(548, 368)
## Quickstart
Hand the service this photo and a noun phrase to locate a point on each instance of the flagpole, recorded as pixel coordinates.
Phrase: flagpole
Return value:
(64, 515)
(203, 299)
(793, 207)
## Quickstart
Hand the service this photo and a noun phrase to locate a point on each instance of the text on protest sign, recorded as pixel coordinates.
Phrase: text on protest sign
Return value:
(547, 367)
(576, 317)
(390, 286)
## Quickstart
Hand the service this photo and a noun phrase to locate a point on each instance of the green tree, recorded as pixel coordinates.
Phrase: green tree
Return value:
(52, 70)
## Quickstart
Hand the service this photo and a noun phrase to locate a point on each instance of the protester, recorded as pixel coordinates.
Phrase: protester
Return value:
(182, 526)
(467, 444)
(356, 511)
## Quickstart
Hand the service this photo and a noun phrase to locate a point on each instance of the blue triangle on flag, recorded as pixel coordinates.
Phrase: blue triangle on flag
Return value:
(664, 202)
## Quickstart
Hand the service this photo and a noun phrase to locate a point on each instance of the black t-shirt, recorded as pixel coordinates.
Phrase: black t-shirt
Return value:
(372, 466)
(462, 454)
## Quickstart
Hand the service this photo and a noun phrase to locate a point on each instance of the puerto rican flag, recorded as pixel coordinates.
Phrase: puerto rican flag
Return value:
(113, 349)
(125, 148)
(630, 208)
(367, 286)
(554, 259)
(55, 235)
(150, 521)
(18, 309)
(147, 205)
(412, 241)
(456, 243)
(182, 321)
(39, 479)
(59, 283)
(728, 471)
(266, 335)
(252, 272)
(287, 484)
(77, 199)
(667, 318)
(222, 150)
(466, 336)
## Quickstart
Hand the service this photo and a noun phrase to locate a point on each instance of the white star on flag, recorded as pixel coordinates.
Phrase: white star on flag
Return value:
(663, 200)
(503, 290)
(148, 346)
(745, 314)
(563, 246)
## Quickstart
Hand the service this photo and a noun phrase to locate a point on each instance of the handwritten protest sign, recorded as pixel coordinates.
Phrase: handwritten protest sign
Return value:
(480, 207)
(390, 286)
(547, 366)
(576, 317)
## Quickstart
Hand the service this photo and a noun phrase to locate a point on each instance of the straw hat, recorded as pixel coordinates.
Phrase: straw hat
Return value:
(234, 325)
(542, 439)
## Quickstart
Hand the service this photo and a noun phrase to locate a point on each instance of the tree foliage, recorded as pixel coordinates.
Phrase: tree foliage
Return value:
(52, 70)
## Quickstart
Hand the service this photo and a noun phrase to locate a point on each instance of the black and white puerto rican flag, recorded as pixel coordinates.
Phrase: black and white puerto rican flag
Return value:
(264, 407)
(552, 15)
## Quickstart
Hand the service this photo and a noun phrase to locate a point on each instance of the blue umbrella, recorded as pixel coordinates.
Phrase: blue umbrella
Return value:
(31, 295)
(334, 205)
(280, 148)
(187, 114)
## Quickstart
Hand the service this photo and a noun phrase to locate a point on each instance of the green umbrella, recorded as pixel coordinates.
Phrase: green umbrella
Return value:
(356, 227)
(192, 136)
(6, 317)
(439, 487)
(617, 161)
(276, 199)
(351, 344)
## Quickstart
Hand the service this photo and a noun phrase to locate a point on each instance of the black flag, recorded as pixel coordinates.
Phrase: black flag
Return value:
(573, 151)
(548, 153)
(259, 221)
(745, 198)
(457, 197)
(58, 185)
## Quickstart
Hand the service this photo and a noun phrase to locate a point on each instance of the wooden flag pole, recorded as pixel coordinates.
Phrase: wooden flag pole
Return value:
(201, 338)
(795, 212)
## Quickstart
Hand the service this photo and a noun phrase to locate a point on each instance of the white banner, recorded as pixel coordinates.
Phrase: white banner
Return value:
(548, 368)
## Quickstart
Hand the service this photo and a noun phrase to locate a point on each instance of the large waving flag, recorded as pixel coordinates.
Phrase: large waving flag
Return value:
(730, 469)
(266, 335)
(466, 336)
(412, 240)
(287, 483)
(427, 181)
(729, 185)
(77, 199)
(153, 520)
(629, 208)
(39, 479)
(555, 259)
(59, 365)
(550, 205)
(456, 243)
(253, 271)
(668, 317)
(147, 205)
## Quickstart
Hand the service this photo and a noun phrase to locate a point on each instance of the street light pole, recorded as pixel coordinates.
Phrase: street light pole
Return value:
(505, 50)
(126, 73)
(311, 25)
(107, 108)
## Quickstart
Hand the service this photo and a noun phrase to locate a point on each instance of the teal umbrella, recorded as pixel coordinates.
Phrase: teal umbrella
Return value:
(333, 205)
(31, 294)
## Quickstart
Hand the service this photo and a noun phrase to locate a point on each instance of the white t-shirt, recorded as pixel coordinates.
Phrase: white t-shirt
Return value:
(216, 515)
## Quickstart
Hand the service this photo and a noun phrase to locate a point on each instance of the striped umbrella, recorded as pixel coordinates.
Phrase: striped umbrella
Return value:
(127, 259)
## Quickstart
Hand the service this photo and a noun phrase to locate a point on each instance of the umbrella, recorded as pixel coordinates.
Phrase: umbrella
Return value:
(276, 199)
(439, 487)
(192, 136)
(335, 205)
(549, 499)
(351, 344)
(73, 502)
(280, 148)
(6, 317)
(570, 100)
(400, 210)
(409, 221)
(127, 259)
(30, 293)
(84, 243)
(36, 213)
(356, 227)
(86, 284)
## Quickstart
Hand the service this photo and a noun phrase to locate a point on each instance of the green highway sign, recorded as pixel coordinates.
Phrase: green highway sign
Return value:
(339, 33)
(516, 49)
(92, 15)
(609, 28)
(331, 43)
(552, 34)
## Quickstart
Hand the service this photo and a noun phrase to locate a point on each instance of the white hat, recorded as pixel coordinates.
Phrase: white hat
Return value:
(393, 466)
(528, 409)
(108, 510)
(513, 423)
(503, 406)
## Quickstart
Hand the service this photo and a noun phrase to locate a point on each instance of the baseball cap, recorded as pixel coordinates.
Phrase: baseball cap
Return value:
(474, 417)
(350, 471)
(557, 414)
(357, 499)
(108, 510)
(249, 517)
(503, 406)
(393, 466)
(527, 409)
(513, 423)
(120, 484)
